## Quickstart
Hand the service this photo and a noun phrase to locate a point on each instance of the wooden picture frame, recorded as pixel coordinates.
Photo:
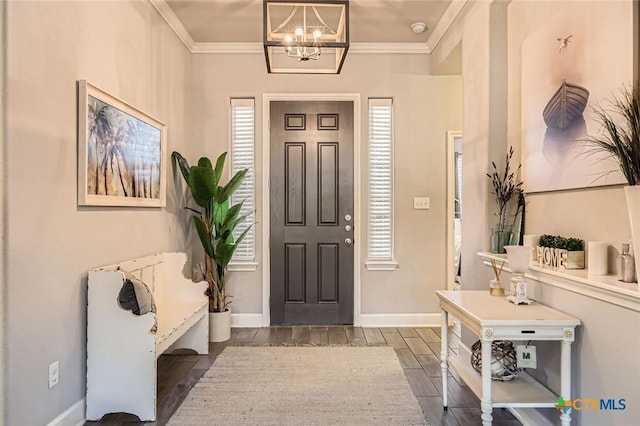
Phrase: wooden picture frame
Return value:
(121, 152)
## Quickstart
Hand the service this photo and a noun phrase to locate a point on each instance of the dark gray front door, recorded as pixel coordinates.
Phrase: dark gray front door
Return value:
(311, 213)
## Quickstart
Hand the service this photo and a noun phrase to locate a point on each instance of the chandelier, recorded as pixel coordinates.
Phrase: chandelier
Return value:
(309, 37)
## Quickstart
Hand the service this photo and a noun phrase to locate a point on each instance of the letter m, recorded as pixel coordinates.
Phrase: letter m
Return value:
(609, 404)
(526, 355)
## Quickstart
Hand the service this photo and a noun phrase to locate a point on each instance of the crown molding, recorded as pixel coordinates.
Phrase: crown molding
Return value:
(174, 23)
(445, 23)
(447, 20)
(228, 48)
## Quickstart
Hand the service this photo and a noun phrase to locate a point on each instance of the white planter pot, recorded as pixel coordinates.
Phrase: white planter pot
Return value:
(632, 193)
(220, 326)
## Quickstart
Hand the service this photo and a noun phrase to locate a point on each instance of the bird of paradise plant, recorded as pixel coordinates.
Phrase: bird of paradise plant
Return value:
(216, 220)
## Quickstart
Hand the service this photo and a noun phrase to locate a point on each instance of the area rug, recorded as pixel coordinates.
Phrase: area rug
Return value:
(302, 386)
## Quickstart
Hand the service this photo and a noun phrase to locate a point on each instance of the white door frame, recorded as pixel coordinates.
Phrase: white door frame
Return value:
(266, 194)
(451, 195)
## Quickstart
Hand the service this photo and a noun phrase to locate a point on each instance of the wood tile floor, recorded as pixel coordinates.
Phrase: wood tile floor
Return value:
(418, 350)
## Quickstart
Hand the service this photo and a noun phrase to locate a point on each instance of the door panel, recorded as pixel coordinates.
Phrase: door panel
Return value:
(328, 273)
(295, 182)
(295, 279)
(311, 186)
(328, 183)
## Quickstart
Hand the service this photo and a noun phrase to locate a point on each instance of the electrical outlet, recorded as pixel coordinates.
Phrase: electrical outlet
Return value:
(54, 374)
(421, 203)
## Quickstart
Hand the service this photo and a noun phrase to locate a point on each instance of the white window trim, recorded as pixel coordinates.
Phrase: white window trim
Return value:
(247, 264)
(242, 266)
(376, 264)
(381, 265)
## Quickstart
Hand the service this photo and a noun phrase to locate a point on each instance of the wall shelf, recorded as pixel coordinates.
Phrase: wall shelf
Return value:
(602, 287)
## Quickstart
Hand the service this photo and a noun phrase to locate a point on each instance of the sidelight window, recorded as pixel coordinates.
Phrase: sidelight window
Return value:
(380, 185)
(242, 153)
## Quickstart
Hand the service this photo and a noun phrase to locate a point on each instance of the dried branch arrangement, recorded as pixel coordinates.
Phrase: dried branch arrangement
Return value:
(506, 185)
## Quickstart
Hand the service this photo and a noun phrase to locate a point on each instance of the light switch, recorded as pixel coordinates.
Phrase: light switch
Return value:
(421, 203)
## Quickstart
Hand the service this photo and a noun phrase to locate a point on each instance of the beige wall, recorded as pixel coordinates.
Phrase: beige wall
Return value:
(590, 213)
(597, 214)
(126, 49)
(484, 129)
(3, 241)
(605, 366)
(425, 108)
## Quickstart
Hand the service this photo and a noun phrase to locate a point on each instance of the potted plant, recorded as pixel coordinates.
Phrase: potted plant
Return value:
(560, 252)
(215, 222)
(507, 187)
(621, 138)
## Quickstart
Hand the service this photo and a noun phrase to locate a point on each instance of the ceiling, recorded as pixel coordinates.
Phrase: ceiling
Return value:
(371, 21)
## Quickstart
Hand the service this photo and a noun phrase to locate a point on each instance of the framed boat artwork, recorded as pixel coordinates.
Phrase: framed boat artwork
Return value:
(569, 66)
(121, 152)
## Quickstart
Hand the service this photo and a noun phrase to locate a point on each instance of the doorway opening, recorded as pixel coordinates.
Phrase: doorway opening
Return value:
(454, 208)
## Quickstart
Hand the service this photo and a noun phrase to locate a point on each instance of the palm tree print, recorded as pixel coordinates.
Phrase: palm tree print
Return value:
(123, 153)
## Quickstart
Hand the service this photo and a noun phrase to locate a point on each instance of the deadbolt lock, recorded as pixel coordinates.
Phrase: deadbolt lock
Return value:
(347, 228)
(348, 241)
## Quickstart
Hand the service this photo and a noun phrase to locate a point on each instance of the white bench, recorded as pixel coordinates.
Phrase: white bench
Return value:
(122, 350)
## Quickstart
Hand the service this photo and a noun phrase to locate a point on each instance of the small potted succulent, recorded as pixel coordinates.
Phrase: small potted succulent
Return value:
(560, 252)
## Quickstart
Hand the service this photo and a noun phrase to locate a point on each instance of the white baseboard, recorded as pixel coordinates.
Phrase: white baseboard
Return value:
(400, 320)
(72, 416)
(246, 320)
(529, 416)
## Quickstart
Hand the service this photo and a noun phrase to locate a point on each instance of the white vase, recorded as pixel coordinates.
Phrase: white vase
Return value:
(220, 326)
(519, 258)
(632, 193)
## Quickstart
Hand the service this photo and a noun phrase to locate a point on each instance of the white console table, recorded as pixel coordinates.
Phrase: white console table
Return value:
(494, 318)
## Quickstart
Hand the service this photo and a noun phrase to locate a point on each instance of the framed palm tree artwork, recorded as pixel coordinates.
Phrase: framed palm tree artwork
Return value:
(121, 152)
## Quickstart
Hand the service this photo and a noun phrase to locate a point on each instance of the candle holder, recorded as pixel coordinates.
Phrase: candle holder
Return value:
(519, 258)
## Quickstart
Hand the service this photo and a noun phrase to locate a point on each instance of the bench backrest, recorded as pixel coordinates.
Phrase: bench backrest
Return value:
(164, 273)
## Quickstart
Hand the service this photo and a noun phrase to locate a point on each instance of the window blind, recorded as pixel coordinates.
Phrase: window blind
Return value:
(380, 236)
(242, 157)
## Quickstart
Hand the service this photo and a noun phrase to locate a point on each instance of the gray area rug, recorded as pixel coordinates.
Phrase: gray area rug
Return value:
(302, 386)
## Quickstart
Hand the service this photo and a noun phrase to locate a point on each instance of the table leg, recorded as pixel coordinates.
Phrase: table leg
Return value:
(485, 402)
(444, 334)
(565, 380)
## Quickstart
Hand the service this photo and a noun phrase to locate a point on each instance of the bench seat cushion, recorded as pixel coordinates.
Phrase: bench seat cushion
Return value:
(175, 318)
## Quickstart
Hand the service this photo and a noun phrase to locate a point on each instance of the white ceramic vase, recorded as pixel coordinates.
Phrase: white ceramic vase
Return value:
(632, 194)
(519, 258)
(220, 326)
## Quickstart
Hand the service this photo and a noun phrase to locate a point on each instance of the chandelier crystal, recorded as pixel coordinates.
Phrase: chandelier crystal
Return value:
(306, 37)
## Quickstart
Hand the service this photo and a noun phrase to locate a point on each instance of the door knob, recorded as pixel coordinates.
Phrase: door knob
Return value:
(347, 217)
(347, 228)
(348, 241)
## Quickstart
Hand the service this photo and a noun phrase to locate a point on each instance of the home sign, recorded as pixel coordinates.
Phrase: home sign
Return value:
(560, 259)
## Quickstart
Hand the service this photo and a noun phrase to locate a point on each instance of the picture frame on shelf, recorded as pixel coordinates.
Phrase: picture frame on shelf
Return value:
(121, 152)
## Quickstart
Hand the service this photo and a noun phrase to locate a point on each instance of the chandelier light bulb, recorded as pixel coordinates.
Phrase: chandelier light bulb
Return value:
(299, 32)
(288, 39)
(317, 34)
